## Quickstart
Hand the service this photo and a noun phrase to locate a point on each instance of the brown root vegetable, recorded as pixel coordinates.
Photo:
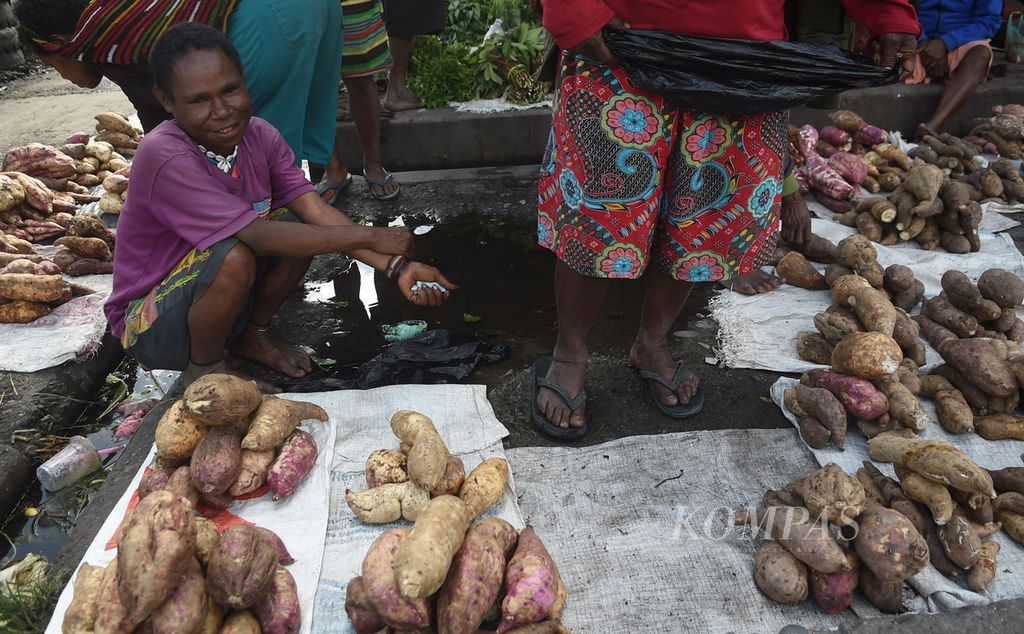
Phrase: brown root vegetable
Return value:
(177, 433)
(252, 473)
(1012, 502)
(954, 242)
(819, 249)
(241, 622)
(276, 419)
(386, 466)
(454, 478)
(928, 492)
(924, 181)
(983, 571)
(859, 397)
(1002, 287)
(830, 493)
(1013, 524)
(425, 555)
(154, 548)
(835, 271)
(475, 577)
(1009, 479)
(484, 486)
(874, 310)
(954, 413)
(94, 248)
(360, 611)
(977, 359)
(929, 239)
(963, 294)
(217, 460)
(899, 278)
(111, 614)
(813, 432)
(942, 312)
(810, 346)
(278, 609)
(889, 545)
(868, 226)
(844, 287)
(933, 459)
(779, 575)
(221, 399)
(32, 288)
(821, 405)
(810, 542)
(857, 253)
(887, 597)
(207, 538)
(912, 511)
(428, 455)
(836, 323)
(975, 397)
(388, 502)
(907, 333)
(869, 355)
(999, 427)
(81, 613)
(242, 566)
(186, 609)
(797, 271)
(22, 312)
(962, 545)
(903, 406)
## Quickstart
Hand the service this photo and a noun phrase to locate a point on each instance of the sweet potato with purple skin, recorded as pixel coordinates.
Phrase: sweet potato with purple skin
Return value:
(1002, 287)
(293, 464)
(185, 610)
(823, 406)
(779, 575)
(278, 609)
(859, 396)
(283, 556)
(242, 567)
(154, 548)
(977, 359)
(849, 166)
(531, 583)
(889, 545)
(382, 589)
(89, 266)
(360, 610)
(474, 579)
(216, 460)
(887, 597)
(111, 614)
(834, 592)
(36, 159)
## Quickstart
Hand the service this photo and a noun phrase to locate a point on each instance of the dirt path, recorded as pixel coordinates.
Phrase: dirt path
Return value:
(45, 108)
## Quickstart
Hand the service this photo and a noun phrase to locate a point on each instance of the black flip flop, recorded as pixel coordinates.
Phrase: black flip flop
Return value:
(682, 410)
(540, 370)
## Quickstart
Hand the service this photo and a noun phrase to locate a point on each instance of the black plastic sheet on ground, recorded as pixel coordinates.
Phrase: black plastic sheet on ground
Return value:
(428, 358)
(739, 77)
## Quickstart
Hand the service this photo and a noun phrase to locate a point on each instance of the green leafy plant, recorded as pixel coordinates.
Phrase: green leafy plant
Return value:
(27, 609)
(442, 74)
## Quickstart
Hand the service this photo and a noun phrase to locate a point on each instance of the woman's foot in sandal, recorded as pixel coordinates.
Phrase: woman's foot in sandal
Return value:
(382, 184)
(658, 360)
(570, 375)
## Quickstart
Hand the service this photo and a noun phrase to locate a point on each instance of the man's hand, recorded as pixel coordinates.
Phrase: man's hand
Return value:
(391, 240)
(934, 57)
(426, 296)
(595, 48)
(796, 221)
(896, 49)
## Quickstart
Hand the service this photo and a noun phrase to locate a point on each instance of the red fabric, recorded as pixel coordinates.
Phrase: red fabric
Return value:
(572, 21)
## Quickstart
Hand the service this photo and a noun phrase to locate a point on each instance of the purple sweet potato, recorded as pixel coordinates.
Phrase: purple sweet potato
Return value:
(859, 396)
(961, 543)
(360, 610)
(185, 610)
(278, 609)
(531, 583)
(834, 591)
(839, 138)
(154, 480)
(382, 588)
(283, 556)
(217, 460)
(475, 576)
(242, 567)
(293, 464)
(889, 545)
(849, 166)
(870, 135)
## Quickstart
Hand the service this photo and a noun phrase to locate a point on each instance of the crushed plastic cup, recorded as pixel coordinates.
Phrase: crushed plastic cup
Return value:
(69, 465)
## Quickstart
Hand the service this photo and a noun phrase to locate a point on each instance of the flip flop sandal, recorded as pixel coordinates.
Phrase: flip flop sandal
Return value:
(540, 369)
(382, 183)
(338, 187)
(682, 410)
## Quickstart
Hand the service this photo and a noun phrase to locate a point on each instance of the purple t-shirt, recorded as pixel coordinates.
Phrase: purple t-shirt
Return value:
(178, 200)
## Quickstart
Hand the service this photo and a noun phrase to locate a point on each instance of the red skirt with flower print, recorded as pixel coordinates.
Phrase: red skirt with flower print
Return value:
(628, 177)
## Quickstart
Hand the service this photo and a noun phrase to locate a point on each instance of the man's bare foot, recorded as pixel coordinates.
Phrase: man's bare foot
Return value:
(923, 130)
(256, 345)
(196, 370)
(400, 98)
(753, 283)
(570, 375)
(657, 358)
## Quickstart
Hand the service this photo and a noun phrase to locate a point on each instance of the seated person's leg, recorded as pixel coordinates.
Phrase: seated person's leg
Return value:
(969, 65)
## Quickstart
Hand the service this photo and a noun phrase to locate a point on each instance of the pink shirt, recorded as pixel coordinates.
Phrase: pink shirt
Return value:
(178, 200)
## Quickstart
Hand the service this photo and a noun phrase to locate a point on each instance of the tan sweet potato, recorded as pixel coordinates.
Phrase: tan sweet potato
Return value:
(942, 312)
(32, 288)
(81, 613)
(837, 322)
(999, 427)
(454, 477)
(946, 464)
(811, 346)
(975, 397)
(207, 539)
(154, 549)
(889, 545)
(934, 332)
(903, 405)
(1013, 524)
(111, 614)
(94, 248)
(22, 312)
(962, 545)
(780, 575)
(869, 355)
(833, 272)
(930, 493)
(983, 571)
(252, 473)
(360, 610)
(907, 333)
(977, 359)
(484, 486)
(278, 609)
(844, 288)
(1012, 502)
(810, 542)
(954, 413)
(186, 609)
(475, 576)
(388, 502)
(830, 493)
(242, 567)
(116, 122)
(386, 466)
(276, 419)
(214, 618)
(874, 310)
(887, 597)
(217, 460)
(428, 455)
(382, 587)
(241, 622)
(221, 399)
(794, 269)
(424, 557)
(177, 433)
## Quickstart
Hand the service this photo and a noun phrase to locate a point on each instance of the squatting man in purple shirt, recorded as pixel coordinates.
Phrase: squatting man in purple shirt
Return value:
(219, 225)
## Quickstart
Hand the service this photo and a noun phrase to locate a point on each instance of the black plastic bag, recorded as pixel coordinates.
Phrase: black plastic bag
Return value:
(427, 358)
(739, 77)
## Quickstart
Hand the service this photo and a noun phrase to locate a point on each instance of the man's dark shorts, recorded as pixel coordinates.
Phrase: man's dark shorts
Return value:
(408, 18)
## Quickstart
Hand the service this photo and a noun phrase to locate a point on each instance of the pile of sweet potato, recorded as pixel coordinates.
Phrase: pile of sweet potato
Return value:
(31, 287)
(1002, 134)
(176, 573)
(224, 440)
(402, 481)
(451, 577)
(834, 533)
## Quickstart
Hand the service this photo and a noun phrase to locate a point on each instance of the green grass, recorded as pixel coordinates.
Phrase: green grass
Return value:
(27, 610)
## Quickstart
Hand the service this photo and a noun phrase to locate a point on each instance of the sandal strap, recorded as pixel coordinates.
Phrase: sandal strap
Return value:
(574, 402)
(672, 384)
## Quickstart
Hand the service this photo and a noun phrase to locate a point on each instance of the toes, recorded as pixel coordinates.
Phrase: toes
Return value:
(576, 420)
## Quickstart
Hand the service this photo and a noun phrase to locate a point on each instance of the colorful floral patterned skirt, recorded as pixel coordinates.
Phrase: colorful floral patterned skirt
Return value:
(628, 177)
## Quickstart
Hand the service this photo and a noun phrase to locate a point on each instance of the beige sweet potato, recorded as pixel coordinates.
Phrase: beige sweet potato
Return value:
(428, 455)
(217, 460)
(424, 557)
(454, 477)
(186, 609)
(810, 542)
(475, 576)
(386, 466)
(484, 486)
(360, 610)
(154, 549)
(32, 288)
(1012, 502)
(983, 571)
(844, 288)
(837, 322)
(887, 597)
(946, 464)
(869, 355)
(242, 567)
(81, 613)
(795, 270)
(276, 419)
(252, 473)
(388, 502)
(111, 614)
(241, 622)
(278, 609)
(811, 346)
(930, 493)
(22, 312)
(221, 399)
(780, 575)
(889, 545)
(903, 405)
(953, 411)
(832, 494)
(975, 397)
(116, 122)
(214, 618)
(177, 433)
(813, 432)
(999, 427)
(1013, 524)
(207, 539)
(86, 247)
(381, 585)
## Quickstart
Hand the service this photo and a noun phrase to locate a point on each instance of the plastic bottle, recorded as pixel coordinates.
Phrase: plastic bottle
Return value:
(69, 465)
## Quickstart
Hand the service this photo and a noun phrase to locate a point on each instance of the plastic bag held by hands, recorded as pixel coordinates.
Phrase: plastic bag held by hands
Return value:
(595, 48)
(896, 49)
